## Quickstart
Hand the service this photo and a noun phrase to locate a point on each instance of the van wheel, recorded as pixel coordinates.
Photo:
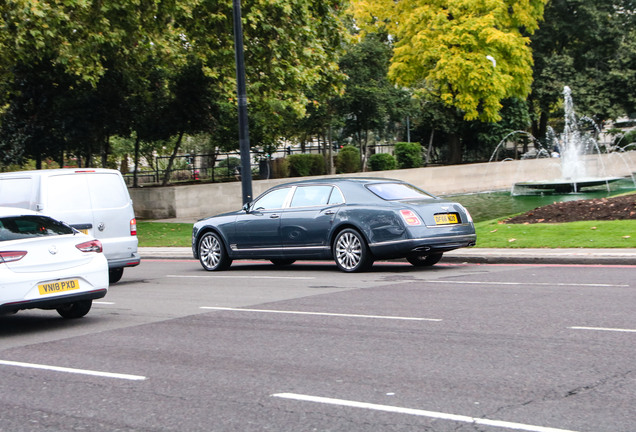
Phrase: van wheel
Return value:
(76, 309)
(115, 274)
(212, 253)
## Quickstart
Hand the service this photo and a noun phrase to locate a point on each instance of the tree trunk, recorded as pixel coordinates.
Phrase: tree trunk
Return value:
(430, 147)
(105, 152)
(137, 145)
(166, 176)
(455, 147)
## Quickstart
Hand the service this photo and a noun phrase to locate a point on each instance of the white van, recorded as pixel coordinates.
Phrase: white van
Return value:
(92, 200)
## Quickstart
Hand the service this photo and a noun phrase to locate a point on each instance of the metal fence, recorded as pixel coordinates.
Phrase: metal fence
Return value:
(223, 167)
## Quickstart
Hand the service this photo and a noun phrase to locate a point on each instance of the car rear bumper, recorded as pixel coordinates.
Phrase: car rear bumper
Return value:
(403, 248)
(53, 302)
(131, 261)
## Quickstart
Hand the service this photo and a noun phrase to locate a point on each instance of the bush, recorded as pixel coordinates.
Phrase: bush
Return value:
(382, 162)
(348, 160)
(280, 168)
(408, 155)
(302, 165)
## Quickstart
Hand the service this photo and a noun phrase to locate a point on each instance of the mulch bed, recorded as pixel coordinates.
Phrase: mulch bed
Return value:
(615, 208)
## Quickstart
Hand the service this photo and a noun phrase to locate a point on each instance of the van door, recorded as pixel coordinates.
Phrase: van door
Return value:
(98, 204)
(66, 197)
(112, 214)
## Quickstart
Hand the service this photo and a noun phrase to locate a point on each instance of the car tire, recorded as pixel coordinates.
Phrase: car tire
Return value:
(350, 251)
(424, 260)
(75, 310)
(115, 274)
(282, 261)
(212, 253)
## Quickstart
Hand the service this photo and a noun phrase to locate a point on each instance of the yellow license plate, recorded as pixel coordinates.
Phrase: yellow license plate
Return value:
(446, 218)
(58, 286)
(83, 231)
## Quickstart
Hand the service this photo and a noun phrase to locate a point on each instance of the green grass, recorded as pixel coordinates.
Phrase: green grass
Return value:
(490, 234)
(590, 234)
(162, 234)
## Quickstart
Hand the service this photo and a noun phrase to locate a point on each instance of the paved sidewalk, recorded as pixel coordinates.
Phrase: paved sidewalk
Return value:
(477, 255)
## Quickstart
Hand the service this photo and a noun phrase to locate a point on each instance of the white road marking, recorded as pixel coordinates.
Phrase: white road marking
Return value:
(320, 314)
(103, 303)
(526, 283)
(74, 371)
(604, 329)
(418, 412)
(240, 276)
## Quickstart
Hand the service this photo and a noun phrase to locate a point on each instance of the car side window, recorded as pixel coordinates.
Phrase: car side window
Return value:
(336, 197)
(309, 196)
(272, 200)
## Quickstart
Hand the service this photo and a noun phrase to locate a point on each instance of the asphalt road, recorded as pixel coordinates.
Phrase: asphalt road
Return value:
(457, 347)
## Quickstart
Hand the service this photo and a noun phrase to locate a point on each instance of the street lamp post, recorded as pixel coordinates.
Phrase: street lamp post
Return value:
(244, 135)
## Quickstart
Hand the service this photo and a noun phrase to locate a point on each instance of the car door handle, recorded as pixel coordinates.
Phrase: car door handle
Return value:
(330, 212)
(274, 216)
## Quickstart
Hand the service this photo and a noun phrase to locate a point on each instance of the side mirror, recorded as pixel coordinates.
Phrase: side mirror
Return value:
(246, 207)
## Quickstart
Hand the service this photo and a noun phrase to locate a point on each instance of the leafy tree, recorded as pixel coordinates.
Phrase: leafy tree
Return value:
(589, 46)
(370, 101)
(469, 54)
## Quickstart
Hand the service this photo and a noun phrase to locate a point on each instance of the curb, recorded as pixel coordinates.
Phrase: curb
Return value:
(475, 255)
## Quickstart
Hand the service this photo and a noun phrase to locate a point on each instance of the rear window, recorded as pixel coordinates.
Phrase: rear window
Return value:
(397, 191)
(22, 227)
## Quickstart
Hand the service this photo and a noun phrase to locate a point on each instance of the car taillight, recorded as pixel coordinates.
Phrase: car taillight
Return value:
(470, 218)
(410, 217)
(90, 246)
(10, 256)
(133, 227)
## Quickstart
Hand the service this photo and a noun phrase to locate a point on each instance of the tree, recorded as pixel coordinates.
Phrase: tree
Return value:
(370, 101)
(469, 54)
(590, 47)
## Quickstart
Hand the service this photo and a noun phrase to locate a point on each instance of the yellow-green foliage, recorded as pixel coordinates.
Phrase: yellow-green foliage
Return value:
(470, 53)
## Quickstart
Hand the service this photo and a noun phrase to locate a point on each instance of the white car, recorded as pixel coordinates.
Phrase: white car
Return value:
(46, 264)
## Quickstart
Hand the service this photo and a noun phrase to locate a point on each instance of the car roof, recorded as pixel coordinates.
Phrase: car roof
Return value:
(15, 211)
(57, 171)
(339, 180)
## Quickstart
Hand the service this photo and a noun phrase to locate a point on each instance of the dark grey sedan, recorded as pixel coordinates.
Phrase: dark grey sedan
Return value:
(354, 221)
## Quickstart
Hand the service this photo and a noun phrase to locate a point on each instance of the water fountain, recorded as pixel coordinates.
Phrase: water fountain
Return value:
(578, 151)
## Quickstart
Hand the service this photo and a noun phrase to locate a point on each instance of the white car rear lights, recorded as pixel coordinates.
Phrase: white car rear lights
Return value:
(410, 217)
(90, 246)
(133, 227)
(10, 256)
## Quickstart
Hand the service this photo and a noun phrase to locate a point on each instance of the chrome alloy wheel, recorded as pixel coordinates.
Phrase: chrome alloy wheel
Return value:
(350, 251)
(212, 254)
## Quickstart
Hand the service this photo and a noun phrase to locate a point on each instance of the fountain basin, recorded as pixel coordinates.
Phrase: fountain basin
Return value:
(568, 185)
